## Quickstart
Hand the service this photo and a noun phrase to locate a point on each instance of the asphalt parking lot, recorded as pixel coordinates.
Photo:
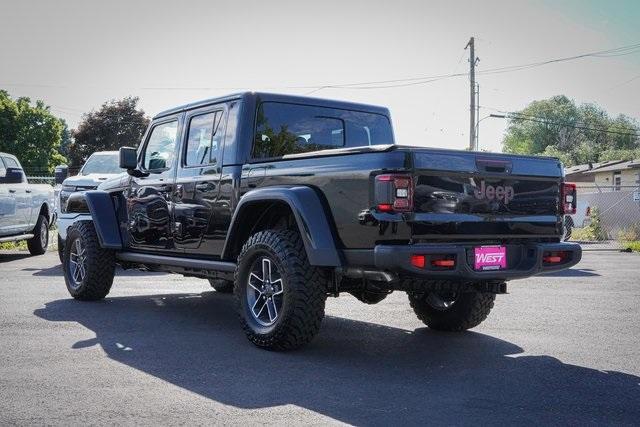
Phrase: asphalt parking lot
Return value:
(162, 349)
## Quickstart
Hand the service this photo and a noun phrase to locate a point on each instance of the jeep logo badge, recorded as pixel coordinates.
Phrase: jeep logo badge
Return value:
(498, 192)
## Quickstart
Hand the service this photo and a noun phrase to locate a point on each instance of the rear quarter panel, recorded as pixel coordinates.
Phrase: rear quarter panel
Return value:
(343, 182)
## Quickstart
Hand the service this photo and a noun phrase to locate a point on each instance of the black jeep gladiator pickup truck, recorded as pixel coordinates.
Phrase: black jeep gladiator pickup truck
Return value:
(286, 200)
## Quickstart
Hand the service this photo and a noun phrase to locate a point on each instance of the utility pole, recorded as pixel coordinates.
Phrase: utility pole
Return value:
(472, 85)
(475, 143)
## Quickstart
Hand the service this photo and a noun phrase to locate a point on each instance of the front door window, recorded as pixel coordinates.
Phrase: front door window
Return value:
(159, 154)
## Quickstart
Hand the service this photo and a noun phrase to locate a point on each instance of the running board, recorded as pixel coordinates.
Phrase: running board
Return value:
(198, 264)
(16, 238)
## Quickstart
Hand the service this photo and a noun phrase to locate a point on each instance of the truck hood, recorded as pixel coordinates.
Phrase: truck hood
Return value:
(115, 182)
(91, 180)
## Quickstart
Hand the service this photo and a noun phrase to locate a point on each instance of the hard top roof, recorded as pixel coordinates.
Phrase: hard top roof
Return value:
(263, 96)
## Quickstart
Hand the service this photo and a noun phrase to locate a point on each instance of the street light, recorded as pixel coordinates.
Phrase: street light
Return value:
(495, 116)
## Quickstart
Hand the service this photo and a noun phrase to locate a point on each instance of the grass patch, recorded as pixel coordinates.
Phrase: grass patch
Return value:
(14, 246)
(584, 234)
(22, 245)
(632, 246)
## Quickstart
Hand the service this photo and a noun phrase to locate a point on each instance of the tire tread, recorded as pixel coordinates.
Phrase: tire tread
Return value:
(100, 264)
(303, 319)
(34, 245)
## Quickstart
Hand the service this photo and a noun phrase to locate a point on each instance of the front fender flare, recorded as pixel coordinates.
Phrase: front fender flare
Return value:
(104, 218)
(310, 217)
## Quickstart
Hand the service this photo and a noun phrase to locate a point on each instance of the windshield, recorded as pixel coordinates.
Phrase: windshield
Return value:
(102, 163)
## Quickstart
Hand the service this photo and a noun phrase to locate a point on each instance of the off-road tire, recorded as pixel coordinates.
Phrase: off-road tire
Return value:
(222, 286)
(469, 310)
(567, 228)
(60, 248)
(369, 297)
(305, 291)
(99, 264)
(36, 244)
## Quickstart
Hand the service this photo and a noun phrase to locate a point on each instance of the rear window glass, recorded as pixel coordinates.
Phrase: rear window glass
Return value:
(283, 129)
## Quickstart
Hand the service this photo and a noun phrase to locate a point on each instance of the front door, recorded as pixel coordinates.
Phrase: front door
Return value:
(7, 205)
(21, 193)
(197, 182)
(149, 198)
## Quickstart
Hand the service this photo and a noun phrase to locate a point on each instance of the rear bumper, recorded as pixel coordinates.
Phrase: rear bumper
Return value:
(524, 260)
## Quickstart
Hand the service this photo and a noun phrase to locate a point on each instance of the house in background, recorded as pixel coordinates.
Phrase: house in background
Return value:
(613, 175)
(612, 187)
(617, 177)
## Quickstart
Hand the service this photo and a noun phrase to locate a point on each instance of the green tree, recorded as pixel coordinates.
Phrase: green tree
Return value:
(574, 133)
(66, 139)
(31, 133)
(116, 124)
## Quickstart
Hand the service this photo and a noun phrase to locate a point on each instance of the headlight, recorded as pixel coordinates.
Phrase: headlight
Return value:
(65, 192)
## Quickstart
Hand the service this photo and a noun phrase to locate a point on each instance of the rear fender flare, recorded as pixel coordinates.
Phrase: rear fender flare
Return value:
(310, 217)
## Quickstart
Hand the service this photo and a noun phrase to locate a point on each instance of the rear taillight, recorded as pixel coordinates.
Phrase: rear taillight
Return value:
(434, 261)
(568, 199)
(394, 193)
(555, 257)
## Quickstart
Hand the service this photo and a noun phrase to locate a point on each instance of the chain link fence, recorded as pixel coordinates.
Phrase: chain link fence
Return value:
(607, 217)
(42, 180)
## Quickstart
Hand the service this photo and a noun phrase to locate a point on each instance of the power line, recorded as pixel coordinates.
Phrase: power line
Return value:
(536, 119)
(392, 83)
(634, 48)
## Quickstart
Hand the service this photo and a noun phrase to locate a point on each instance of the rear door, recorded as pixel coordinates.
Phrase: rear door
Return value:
(196, 197)
(149, 198)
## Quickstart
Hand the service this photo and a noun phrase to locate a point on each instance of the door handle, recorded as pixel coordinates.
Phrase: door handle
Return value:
(27, 191)
(208, 186)
(12, 191)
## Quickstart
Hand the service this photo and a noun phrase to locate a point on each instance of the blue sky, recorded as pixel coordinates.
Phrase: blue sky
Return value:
(618, 18)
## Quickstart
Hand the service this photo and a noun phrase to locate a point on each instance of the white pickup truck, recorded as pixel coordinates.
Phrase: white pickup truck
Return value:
(26, 210)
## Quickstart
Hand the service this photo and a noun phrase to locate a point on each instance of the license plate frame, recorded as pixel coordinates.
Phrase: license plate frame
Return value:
(490, 258)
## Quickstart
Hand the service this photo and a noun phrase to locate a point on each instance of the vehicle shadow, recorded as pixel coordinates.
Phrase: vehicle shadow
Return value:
(354, 372)
(57, 271)
(13, 256)
(572, 272)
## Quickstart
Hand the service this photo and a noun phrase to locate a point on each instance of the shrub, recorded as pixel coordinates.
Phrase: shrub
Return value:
(593, 232)
(584, 234)
(596, 225)
(630, 234)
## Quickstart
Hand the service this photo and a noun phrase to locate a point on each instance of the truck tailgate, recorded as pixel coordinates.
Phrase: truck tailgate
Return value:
(484, 195)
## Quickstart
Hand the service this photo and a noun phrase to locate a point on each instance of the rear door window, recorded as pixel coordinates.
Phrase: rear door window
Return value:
(204, 139)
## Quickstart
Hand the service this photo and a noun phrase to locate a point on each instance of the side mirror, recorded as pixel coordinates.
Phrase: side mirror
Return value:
(61, 173)
(128, 158)
(13, 176)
